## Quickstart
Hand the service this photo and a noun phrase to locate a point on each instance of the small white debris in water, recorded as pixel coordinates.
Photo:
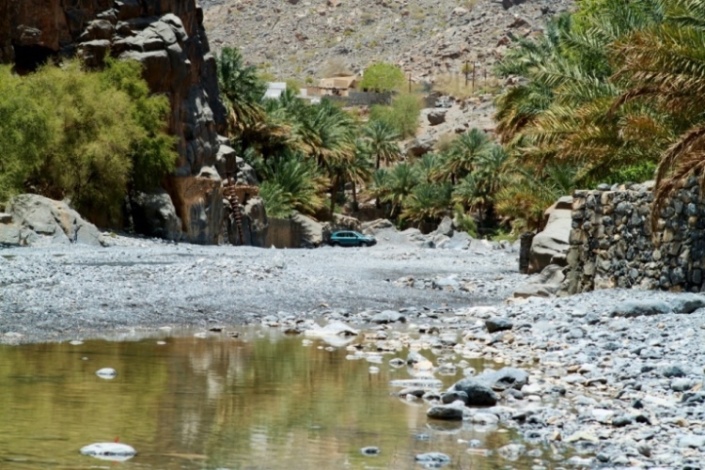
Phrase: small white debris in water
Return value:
(306, 342)
(165, 328)
(202, 334)
(84, 358)
(107, 373)
(76, 342)
(330, 349)
(161, 343)
(374, 370)
(113, 451)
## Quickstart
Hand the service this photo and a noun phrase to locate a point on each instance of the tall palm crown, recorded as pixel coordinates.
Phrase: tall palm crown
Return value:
(381, 138)
(240, 85)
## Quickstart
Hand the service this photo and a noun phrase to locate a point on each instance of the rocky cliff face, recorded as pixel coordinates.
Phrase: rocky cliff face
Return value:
(167, 37)
(427, 38)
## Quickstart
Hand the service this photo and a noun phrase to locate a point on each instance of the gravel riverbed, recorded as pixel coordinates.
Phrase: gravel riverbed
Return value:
(614, 377)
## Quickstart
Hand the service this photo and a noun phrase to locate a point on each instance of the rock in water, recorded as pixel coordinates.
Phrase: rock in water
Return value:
(109, 451)
(478, 393)
(436, 459)
(106, 373)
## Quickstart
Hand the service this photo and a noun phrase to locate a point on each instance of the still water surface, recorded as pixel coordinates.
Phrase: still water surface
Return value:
(261, 401)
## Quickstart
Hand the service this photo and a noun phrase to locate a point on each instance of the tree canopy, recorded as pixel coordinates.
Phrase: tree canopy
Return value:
(382, 77)
(86, 136)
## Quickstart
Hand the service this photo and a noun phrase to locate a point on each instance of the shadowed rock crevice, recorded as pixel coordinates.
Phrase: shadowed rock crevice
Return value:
(28, 59)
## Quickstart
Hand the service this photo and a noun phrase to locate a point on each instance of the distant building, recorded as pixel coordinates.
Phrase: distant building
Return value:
(337, 86)
(275, 90)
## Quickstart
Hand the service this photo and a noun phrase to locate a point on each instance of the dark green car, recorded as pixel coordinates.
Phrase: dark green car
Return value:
(351, 238)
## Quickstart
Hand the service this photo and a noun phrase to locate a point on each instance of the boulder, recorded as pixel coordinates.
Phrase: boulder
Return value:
(446, 412)
(478, 393)
(445, 227)
(112, 451)
(459, 241)
(255, 222)
(199, 204)
(38, 220)
(154, 215)
(496, 324)
(640, 308)
(420, 146)
(550, 246)
(311, 230)
(229, 164)
(544, 284)
(388, 316)
(336, 334)
(436, 116)
(505, 378)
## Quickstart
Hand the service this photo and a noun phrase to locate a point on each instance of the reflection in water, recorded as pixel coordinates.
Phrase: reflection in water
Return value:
(258, 402)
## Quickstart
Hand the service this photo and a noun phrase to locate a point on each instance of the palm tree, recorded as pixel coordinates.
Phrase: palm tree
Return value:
(664, 66)
(428, 203)
(429, 167)
(293, 182)
(464, 153)
(562, 110)
(359, 170)
(379, 186)
(401, 183)
(381, 138)
(528, 191)
(241, 87)
(478, 189)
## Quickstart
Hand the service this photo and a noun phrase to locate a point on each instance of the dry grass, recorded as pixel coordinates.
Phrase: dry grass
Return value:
(457, 86)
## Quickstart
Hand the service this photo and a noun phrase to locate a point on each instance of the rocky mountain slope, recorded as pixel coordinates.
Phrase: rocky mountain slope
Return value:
(315, 38)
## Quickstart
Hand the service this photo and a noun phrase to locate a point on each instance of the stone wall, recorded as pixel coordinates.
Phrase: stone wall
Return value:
(612, 244)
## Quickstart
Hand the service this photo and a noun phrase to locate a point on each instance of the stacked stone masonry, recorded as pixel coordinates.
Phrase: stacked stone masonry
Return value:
(612, 244)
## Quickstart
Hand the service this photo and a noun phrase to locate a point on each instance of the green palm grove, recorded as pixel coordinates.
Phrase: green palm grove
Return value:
(611, 93)
(608, 94)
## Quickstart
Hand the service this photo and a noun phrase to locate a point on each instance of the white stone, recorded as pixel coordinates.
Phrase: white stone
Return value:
(113, 451)
(107, 373)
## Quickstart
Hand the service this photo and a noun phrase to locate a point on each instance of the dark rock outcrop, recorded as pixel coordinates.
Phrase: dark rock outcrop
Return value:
(154, 214)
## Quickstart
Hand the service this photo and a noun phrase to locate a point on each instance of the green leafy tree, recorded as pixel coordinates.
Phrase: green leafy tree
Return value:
(61, 139)
(153, 150)
(382, 77)
(27, 130)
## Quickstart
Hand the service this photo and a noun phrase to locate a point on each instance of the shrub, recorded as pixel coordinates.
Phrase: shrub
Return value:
(382, 77)
(402, 115)
(67, 133)
(26, 132)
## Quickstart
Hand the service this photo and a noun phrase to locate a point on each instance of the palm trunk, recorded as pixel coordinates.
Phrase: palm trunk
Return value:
(333, 194)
